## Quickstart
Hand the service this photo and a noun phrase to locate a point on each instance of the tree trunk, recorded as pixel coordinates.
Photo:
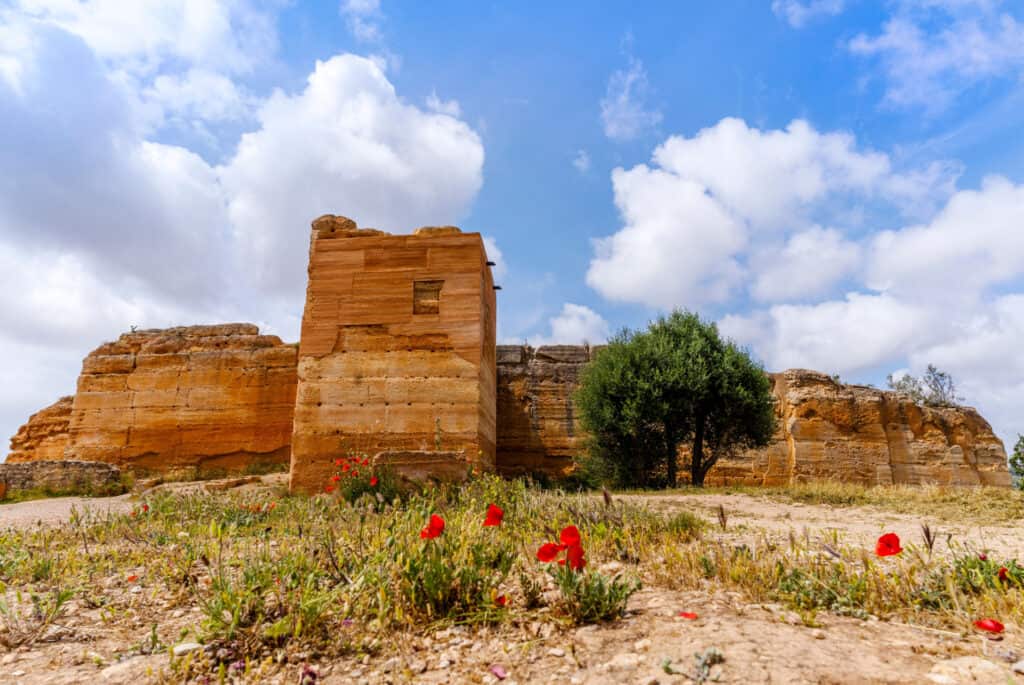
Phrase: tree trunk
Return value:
(697, 468)
(671, 457)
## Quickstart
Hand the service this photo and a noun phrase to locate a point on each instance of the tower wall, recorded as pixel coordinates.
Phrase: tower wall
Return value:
(397, 351)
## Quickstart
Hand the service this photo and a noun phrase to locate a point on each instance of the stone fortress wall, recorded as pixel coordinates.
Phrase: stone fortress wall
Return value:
(396, 357)
(398, 360)
(208, 397)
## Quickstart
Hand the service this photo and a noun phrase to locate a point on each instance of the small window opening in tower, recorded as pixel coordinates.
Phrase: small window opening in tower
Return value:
(426, 297)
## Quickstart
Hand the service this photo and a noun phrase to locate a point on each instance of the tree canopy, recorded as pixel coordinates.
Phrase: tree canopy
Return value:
(1017, 462)
(647, 393)
(935, 389)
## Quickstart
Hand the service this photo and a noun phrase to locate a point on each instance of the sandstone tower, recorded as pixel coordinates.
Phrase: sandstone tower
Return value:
(397, 352)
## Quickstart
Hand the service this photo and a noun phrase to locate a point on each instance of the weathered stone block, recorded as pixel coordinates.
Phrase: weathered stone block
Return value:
(396, 350)
(177, 398)
(425, 465)
(64, 477)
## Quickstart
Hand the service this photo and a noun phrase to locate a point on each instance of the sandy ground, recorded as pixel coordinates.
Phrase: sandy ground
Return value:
(759, 643)
(750, 516)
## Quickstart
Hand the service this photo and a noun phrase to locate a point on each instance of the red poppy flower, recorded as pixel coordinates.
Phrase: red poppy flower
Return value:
(335, 478)
(547, 552)
(337, 462)
(270, 507)
(434, 528)
(366, 461)
(689, 615)
(132, 578)
(355, 473)
(373, 481)
(1004, 573)
(145, 508)
(134, 513)
(494, 515)
(888, 545)
(345, 466)
(501, 600)
(329, 488)
(983, 556)
(574, 555)
(570, 537)
(989, 625)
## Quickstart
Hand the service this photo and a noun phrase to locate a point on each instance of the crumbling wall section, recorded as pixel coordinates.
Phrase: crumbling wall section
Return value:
(538, 426)
(396, 352)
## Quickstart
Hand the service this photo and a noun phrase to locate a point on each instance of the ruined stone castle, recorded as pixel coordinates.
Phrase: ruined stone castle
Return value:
(397, 360)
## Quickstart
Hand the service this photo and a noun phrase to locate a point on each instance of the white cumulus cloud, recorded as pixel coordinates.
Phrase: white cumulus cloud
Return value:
(347, 144)
(710, 211)
(574, 325)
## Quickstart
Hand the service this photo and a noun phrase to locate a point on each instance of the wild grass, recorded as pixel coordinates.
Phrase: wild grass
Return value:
(267, 576)
(80, 490)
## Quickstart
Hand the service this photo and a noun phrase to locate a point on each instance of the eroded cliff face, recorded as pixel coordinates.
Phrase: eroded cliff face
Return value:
(224, 396)
(212, 397)
(826, 430)
(538, 430)
(859, 434)
(45, 436)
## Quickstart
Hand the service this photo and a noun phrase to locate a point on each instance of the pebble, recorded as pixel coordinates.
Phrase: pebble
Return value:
(556, 651)
(642, 645)
(966, 669)
(18, 674)
(390, 665)
(119, 671)
(819, 634)
(418, 666)
(1018, 667)
(444, 664)
(624, 662)
(186, 648)
(136, 589)
(9, 659)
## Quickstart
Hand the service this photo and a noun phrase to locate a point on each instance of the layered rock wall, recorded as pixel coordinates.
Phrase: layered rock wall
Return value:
(60, 477)
(206, 397)
(859, 434)
(45, 436)
(397, 350)
(538, 430)
(826, 430)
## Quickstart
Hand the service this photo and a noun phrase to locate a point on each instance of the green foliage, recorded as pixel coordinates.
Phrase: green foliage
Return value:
(935, 388)
(381, 486)
(1017, 462)
(677, 383)
(592, 597)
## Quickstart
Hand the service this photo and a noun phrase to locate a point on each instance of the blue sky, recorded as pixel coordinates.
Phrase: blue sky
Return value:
(839, 184)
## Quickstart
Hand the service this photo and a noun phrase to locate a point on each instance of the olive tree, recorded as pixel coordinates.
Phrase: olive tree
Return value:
(1017, 462)
(678, 383)
(935, 389)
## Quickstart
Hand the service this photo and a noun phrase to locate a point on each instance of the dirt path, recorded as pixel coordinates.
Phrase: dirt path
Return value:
(749, 516)
(58, 510)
